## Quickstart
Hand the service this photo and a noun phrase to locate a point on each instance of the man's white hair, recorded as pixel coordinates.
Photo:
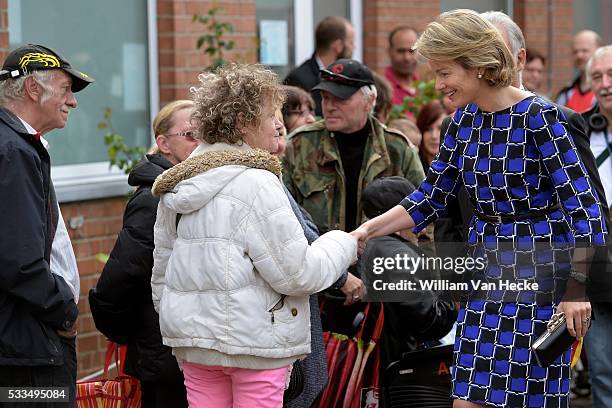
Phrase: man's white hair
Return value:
(599, 53)
(370, 92)
(513, 31)
(516, 39)
(12, 89)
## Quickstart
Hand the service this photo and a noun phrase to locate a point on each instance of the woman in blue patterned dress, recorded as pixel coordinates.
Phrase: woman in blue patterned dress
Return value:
(513, 153)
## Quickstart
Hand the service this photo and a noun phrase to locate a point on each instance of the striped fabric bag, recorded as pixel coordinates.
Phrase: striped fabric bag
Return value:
(122, 391)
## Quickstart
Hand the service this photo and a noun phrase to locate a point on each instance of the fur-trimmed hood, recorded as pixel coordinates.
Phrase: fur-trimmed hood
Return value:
(208, 170)
(238, 247)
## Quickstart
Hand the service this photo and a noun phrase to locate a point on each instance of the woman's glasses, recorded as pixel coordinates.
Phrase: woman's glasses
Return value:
(302, 113)
(188, 133)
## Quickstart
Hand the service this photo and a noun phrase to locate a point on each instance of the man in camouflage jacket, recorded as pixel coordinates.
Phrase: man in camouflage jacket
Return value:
(328, 163)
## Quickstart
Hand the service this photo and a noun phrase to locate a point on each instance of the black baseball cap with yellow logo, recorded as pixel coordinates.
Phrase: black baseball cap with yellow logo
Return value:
(33, 57)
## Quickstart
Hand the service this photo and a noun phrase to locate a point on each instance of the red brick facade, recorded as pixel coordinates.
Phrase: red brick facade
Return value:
(4, 39)
(382, 16)
(102, 220)
(548, 28)
(180, 62)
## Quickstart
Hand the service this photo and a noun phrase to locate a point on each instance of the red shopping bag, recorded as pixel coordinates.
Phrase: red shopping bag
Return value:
(122, 391)
(364, 391)
(347, 359)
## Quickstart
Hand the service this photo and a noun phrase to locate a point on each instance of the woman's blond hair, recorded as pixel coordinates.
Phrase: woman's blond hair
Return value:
(232, 97)
(163, 120)
(470, 40)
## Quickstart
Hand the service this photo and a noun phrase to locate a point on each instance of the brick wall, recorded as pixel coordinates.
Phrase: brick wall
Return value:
(94, 229)
(179, 60)
(4, 38)
(538, 21)
(381, 16)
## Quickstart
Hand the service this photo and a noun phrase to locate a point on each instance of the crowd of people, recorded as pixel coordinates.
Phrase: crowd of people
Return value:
(260, 214)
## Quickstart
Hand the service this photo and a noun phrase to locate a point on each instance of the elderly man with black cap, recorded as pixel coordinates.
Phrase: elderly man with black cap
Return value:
(39, 281)
(328, 163)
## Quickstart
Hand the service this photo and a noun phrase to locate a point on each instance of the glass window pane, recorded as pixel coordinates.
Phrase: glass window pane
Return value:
(324, 8)
(108, 41)
(275, 12)
(596, 17)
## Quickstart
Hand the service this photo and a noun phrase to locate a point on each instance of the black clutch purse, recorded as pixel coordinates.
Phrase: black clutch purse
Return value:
(553, 342)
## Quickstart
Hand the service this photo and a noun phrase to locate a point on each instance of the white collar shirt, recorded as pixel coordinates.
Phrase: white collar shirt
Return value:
(599, 143)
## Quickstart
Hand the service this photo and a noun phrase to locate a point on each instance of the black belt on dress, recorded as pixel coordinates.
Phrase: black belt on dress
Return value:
(499, 219)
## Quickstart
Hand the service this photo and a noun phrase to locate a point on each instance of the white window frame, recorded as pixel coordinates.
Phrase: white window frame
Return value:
(357, 21)
(95, 180)
(510, 8)
(303, 21)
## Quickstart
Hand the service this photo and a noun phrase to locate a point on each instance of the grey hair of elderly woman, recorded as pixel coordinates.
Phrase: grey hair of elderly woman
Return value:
(232, 97)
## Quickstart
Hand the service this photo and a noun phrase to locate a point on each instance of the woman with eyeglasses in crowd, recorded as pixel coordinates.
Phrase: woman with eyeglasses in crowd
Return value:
(121, 301)
(298, 109)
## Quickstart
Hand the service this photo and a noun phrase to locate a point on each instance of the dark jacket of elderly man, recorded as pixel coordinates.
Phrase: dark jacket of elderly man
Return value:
(39, 281)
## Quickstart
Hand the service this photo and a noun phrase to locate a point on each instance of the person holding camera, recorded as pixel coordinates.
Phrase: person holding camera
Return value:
(599, 122)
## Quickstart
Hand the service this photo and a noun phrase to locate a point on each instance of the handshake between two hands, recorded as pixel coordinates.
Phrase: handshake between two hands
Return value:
(354, 289)
(361, 235)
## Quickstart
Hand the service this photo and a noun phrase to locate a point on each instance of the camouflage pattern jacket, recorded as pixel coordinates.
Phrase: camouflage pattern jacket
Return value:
(313, 173)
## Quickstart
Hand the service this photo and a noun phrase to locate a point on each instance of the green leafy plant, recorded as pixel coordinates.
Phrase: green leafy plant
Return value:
(212, 41)
(119, 153)
(425, 93)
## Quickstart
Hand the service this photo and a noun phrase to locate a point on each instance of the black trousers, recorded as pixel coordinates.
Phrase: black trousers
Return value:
(44, 376)
(160, 394)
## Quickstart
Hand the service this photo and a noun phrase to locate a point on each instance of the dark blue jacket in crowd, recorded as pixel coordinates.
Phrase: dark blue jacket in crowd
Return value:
(34, 303)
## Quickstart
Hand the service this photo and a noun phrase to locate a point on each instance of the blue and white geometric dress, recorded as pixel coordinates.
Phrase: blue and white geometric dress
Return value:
(519, 160)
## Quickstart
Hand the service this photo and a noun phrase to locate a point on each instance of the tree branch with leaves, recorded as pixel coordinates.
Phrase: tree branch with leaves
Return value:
(425, 93)
(213, 40)
(119, 153)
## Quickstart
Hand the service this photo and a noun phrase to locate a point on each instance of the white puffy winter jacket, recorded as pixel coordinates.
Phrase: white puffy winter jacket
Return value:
(231, 285)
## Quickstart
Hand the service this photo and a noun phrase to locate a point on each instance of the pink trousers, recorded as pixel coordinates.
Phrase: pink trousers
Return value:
(227, 387)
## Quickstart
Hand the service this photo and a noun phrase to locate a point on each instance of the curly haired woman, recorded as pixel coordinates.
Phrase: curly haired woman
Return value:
(232, 267)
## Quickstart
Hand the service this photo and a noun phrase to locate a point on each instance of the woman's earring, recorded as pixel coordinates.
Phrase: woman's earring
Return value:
(479, 75)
